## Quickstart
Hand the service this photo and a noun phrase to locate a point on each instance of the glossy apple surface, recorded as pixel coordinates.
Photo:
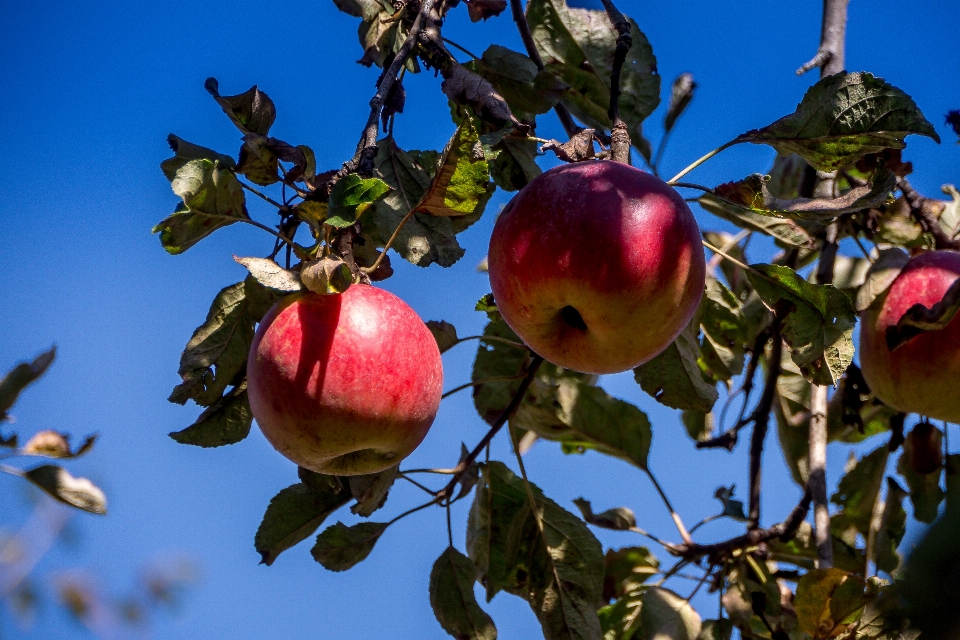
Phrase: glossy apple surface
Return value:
(344, 384)
(597, 266)
(921, 375)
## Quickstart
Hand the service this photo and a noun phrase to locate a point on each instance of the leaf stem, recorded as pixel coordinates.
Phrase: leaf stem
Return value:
(476, 383)
(389, 243)
(415, 483)
(457, 46)
(260, 194)
(512, 343)
(259, 225)
(12, 470)
(414, 510)
(703, 159)
(690, 185)
(684, 534)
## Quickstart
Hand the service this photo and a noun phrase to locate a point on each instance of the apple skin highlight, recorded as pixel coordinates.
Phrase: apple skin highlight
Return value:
(921, 375)
(597, 266)
(344, 384)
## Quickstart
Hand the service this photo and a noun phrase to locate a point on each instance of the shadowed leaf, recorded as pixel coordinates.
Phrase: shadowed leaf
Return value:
(251, 111)
(444, 333)
(625, 569)
(226, 421)
(859, 489)
(76, 492)
(452, 599)
(674, 377)
(881, 275)
(19, 377)
(785, 231)
(185, 152)
(925, 492)
(340, 547)
(370, 490)
(618, 518)
(828, 601)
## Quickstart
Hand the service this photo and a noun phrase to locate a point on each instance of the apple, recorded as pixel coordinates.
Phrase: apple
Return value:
(926, 448)
(344, 384)
(597, 266)
(921, 375)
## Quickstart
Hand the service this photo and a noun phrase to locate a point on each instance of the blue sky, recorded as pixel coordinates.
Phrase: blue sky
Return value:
(92, 90)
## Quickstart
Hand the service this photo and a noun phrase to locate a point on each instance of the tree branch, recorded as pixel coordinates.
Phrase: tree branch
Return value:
(920, 210)
(831, 55)
(761, 422)
(717, 551)
(516, 10)
(619, 134)
(458, 471)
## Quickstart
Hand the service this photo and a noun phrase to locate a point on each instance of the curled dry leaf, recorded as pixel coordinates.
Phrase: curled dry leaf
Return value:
(618, 518)
(468, 88)
(483, 9)
(270, 274)
(327, 275)
(577, 149)
(681, 93)
(53, 444)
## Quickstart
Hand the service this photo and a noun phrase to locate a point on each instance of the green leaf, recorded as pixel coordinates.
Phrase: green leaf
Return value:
(724, 331)
(884, 617)
(515, 76)
(844, 117)
(251, 111)
(919, 319)
(350, 195)
(752, 194)
(828, 601)
(617, 519)
(295, 513)
(624, 570)
(461, 186)
(424, 239)
(893, 526)
(664, 614)
(371, 489)
(786, 232)
(19, 377)
(674, 378)
(716, 629)
(578, 45)
(621, 620)
(515, 164)
(568, 409)
(925, 492)
(76, 492)
(185, 152)
(444, 333)
(859, 488)
(818, 321)
(226, 421)
(340, 547)
(699, 425)
(452, 599)
(217, 351)
(558, 569)
(495, 359)
(212, 198)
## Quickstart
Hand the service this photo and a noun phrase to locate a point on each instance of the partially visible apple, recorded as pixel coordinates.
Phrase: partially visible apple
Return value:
(597, 266)
(344, 384)
(921, 375)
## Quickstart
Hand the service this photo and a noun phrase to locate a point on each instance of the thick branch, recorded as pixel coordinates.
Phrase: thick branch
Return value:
(922, 213)
(524, 28)
(464, 464)
(619, 135)
(761, 422)
(362, 161)
(717, 551)
(831, 55)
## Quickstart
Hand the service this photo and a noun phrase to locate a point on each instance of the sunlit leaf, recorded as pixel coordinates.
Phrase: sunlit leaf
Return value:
(76, 492)
(185, 152)
(350, 196)
(461, 186)
(271, 275)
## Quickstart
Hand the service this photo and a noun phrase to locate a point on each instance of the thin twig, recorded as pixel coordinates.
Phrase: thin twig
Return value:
(619, 134)
(512, 343)
(416, 484)
(684, 534)
(257, 225)
(475, 383)
(761, 422)
(260, 194)
(696, 163)
(457, 46)
(830, 55)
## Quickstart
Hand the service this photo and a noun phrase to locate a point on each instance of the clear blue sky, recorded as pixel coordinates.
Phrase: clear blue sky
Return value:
(92, 90)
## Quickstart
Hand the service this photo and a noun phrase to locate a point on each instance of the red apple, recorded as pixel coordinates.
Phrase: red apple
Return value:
(921, 375)
(597, 266)
(344, 384)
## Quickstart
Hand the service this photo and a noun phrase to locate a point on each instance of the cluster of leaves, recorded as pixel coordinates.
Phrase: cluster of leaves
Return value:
(518, 540)
(53, 479)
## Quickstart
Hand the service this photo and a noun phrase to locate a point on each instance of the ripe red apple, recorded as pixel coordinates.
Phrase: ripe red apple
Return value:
(597, 266)
(921, 375)
(344, 384)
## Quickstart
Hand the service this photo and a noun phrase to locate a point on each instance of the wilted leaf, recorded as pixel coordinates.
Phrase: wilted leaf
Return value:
(52, 444)
(577, 149)
(681, 93)
(578, 45)
(919, 319)
(212, 198)
(483, 9)
(295, 513)
(444, 333)
(257, 162)
(350, 196)
(370, 490)
(752, 194)
(452, 599)
(461, 186)
(76, 492)
(859, 489)
(464, 87)
(844, 117)
(252, 111)
(217, 351)
(226, 421)
(381, 32)
(881, 275)
(558, 570)
(828, 601)
(674, 378)
(20, 376)
(424, 239)
(818, 321)
(568, 409)
(785, 231)
(185, 152)
(340, 547)
(618, 518)
(327, 275)
(271, 275)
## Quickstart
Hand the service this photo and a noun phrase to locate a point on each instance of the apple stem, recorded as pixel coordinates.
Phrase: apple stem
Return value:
(703, 159)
